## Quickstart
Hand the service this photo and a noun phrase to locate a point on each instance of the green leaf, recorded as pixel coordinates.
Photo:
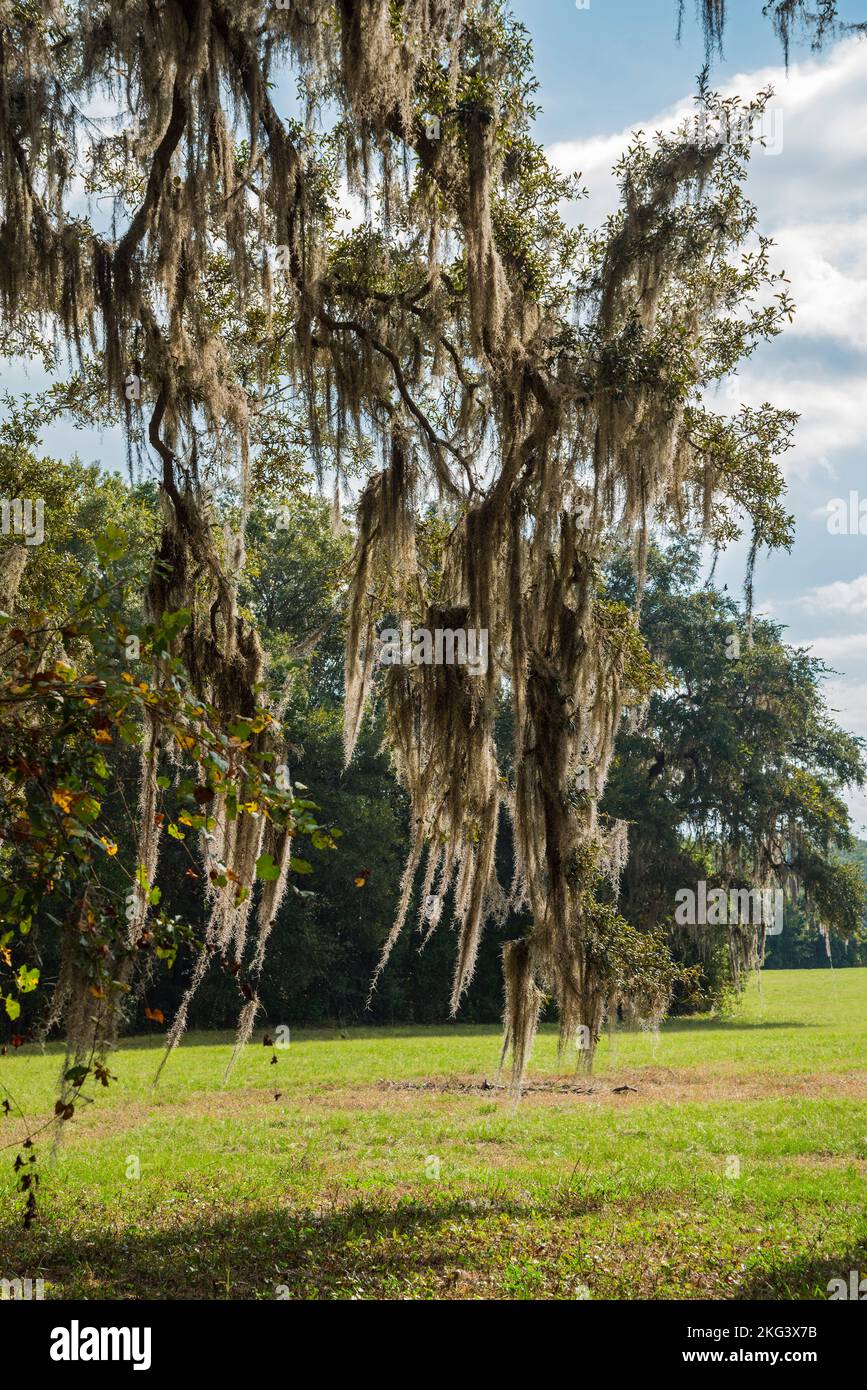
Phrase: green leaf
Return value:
(266, 868)
(13, 1008)
(300, 866)
(112, 544)
(171, 623)
(27, 980)
(87, 810)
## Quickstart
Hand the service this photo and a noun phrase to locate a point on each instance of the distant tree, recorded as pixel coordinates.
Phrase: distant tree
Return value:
(738, 772)
(78, 503)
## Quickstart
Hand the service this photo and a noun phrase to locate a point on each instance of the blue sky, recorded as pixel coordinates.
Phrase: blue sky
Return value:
(614, 66)
(616, 62)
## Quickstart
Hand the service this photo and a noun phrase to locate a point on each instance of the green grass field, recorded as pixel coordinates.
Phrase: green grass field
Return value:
(382, 1164)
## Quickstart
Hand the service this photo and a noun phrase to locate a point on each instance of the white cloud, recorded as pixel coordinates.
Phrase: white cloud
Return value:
(827, 265)
(857, 801)
(831, 410)
(851, 646)
(823, 102)
(847, 597)
(849, 701)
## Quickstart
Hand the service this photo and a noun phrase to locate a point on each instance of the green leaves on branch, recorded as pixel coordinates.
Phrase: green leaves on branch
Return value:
(64, 837)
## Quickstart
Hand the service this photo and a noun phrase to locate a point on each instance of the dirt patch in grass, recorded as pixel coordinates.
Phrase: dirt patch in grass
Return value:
(840, 1163)
(640, 1087)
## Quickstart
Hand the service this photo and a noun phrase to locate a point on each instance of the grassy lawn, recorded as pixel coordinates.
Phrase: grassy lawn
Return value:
(381, 1163)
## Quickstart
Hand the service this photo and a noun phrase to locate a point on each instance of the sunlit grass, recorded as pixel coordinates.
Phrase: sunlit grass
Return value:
(374, 1163)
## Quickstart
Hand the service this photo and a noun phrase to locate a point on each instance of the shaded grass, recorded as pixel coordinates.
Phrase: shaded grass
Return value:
(361, 1181)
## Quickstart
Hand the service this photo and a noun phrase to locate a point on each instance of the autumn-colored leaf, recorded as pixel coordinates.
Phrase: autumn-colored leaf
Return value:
(361, 877)
(155, 1015)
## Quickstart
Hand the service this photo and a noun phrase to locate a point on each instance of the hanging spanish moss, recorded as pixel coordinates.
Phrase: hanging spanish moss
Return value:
(713, 17)
(13, 562)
